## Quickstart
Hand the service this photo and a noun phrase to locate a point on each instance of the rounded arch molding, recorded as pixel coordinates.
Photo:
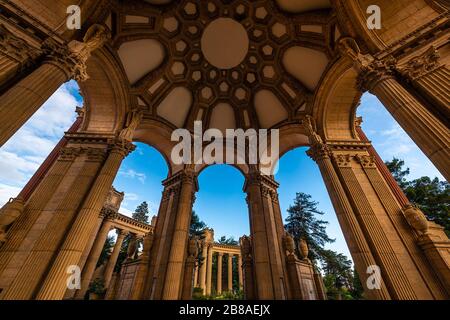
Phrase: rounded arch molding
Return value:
(106, 98)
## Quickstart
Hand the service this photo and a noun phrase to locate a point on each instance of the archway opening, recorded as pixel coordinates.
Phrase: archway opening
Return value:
(308, 214)
(220, 204)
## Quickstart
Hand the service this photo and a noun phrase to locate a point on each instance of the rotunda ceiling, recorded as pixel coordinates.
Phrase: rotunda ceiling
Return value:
(232, 64)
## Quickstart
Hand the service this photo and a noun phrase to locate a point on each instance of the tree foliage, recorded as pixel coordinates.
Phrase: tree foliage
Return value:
(197, 226)
(141, 213)
(302, 223)
(430, 195)
(228, 241)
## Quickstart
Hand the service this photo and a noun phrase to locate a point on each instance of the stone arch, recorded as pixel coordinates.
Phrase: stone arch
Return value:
(336, 101)
(105, 108)
(157, 134)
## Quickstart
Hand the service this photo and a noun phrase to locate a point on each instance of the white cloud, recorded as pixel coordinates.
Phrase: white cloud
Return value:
(7, 192)
(126, 211)
(22, 155)
(132, 174)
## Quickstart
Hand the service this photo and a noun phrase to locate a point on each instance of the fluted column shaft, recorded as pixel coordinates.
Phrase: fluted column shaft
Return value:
(196, 276)
(78, 236)
(430, 135)
(174, 273)
(19, 103)
(230, 272)
(92, 261)
(209, 271)
(113, 258)
(266, 233)
(219, 272)
(432, 80)
(241, 281)
(61, 63)
(203, 267)
(354, 236)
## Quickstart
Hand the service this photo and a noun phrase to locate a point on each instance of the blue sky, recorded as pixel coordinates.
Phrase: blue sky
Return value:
(220, 200)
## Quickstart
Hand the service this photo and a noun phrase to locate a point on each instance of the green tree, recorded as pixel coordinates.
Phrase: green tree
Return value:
(228, 241)
(432, 196)
(197, 226)
(141, 213)
(396, 168)
(302, 223)
(106, 251)
(339, 276)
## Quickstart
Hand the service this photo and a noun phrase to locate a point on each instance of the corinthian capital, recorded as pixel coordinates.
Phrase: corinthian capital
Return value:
(421, 65)
(371, 71)
(72, 58)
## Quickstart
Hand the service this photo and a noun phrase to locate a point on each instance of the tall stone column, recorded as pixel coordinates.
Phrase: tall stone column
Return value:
(203, 267)
(113, 258)
(353, 234)
(427, 131)
(196, 275)
(94, 255)
(139, 284)
(36, 236)
(402, 266)
(219, 272)
(78, 236)
(189, 269)
(209, 271)
(61, 63)
(247, 268)
(241, 282)
(431, 79)
(174, 273)
(230, 272)
(266, 232)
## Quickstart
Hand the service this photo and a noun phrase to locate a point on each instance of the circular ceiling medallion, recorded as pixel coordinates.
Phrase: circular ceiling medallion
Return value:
(225, 43)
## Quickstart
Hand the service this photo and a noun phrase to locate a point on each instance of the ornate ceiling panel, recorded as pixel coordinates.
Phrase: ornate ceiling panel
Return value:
(298, 6)
(246, 56)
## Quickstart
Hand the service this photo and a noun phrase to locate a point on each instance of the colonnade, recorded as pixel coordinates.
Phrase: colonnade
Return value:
(232, 256)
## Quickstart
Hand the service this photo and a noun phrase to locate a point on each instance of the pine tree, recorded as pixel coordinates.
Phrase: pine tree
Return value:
(197, 226)
(302, 223)
(141, 213)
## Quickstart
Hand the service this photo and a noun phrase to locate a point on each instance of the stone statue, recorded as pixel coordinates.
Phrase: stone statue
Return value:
(8, 214)
(94, 38)
(133, 120)
(310, 128)
(349, 48)
(132, 249)
(416, 219)
(303, 248)
(246, 246)
(193, 247)
(289, 244)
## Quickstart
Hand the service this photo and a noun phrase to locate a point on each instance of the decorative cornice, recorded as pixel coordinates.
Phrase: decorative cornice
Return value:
(421, 65)
(16, 48)
(371, 71)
